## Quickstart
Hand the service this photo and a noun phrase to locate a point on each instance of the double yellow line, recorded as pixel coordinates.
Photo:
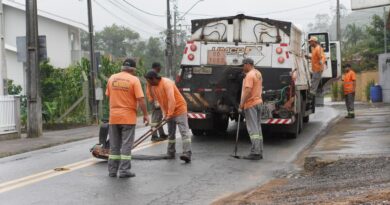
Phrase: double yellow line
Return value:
(34, 178)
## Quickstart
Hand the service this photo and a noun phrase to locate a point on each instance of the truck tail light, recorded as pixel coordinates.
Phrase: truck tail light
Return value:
(185, 50)
(191, 57)
(281, 60)
(279, 50)
(193, 47)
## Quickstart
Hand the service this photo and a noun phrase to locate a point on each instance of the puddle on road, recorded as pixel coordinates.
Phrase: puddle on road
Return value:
(366, 134)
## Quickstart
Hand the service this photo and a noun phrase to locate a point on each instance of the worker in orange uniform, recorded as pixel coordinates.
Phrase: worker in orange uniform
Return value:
(125, 95)
(157, 115)
(349, 84)
(318, 60)
(251, 102)
(174, 108)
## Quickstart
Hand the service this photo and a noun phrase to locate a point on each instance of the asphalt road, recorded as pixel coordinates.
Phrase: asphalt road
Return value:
(30, 178)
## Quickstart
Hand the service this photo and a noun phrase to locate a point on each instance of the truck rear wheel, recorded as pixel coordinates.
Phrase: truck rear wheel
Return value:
(197, 132)
(221, 123)
(294, 129)
(303, 108)
(306, 119)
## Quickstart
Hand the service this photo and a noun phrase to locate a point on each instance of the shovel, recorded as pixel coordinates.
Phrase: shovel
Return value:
(237, 134)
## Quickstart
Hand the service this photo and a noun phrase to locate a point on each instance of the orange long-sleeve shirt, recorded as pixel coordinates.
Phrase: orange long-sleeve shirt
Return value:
(168, 96)
(317, 55)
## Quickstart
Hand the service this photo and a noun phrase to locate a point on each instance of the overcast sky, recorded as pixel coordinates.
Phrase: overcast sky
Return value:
(107, 12)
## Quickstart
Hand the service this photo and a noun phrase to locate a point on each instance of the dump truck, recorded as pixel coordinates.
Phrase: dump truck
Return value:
(210, 76)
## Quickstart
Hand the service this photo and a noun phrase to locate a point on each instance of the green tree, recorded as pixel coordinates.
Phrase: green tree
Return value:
(375, 32)
(118, 41)
(353, 34)
(321, 23)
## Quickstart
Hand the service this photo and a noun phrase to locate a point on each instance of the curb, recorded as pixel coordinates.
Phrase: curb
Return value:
(305, 153)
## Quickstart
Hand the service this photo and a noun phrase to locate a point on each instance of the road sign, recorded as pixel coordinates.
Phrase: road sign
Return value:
(21, 51)
(365, 4)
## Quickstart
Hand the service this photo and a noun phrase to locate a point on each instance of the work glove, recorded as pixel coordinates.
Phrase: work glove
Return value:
(146, 120)
(156, 105)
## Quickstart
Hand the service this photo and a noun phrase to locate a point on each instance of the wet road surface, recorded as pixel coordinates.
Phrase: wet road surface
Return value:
(29, 178)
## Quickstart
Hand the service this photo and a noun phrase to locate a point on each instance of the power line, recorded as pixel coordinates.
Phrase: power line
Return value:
(296, 8)
(119, 18)
(197, 14)
(53, 14)
(143, 11)
(144, 21)
(273, 12)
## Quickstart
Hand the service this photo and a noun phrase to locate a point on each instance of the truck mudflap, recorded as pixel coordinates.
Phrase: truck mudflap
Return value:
(278, 121)
(201, 121)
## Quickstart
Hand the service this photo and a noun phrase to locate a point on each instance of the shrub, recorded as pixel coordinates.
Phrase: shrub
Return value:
(335, 91)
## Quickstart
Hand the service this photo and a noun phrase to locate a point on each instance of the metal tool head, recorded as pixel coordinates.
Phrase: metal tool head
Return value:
(236, 156)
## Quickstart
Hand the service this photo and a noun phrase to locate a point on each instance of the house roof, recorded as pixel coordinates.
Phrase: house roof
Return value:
(48, 15)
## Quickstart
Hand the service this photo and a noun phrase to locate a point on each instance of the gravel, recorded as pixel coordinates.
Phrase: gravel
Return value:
(344, 181)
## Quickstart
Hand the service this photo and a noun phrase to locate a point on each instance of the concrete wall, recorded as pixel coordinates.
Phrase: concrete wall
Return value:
(384, 76)
(15, 70)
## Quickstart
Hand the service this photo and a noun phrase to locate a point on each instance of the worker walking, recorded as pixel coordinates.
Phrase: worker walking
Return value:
(125, 95)
(157, 115)
(174, 108)
(349, 85)
(251, 102)
(318, 60)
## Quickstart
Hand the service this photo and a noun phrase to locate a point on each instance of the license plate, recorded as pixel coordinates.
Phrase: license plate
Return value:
(216, 57)
(202, 70)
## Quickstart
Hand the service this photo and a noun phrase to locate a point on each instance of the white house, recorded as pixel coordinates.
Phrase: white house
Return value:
(62, 38)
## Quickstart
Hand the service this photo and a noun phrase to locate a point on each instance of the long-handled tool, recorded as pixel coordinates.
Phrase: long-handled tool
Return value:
(102, 152)
(149, 133)
(237, 134)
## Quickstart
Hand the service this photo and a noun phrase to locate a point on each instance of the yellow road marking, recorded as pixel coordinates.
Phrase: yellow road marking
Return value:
(34, 178)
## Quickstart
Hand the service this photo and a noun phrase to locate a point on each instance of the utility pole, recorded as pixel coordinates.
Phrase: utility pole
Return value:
(34, 104)
(173, 74)
(92, 68)
(384, 28)
(338, 22)
(3, 64)
(169, 50)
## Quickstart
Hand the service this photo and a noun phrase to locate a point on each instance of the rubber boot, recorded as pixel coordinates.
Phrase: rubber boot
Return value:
(127, 175)
(186, 157)
(163, 137)
(253, 157)
(154, 138)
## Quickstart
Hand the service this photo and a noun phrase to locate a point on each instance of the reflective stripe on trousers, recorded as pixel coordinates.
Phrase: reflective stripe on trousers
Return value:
(253, 125)
(182, 122)
(121, 141)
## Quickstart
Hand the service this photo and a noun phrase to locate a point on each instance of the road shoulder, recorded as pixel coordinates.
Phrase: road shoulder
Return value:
(349, 165)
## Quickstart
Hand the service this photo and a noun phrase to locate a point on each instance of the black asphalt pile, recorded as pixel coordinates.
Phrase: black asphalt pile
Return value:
(345, 181)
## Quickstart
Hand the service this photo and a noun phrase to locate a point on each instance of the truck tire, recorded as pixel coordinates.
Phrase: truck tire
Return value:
(294, 128)
(221, 123)
(303, 109)
(197, 132)
(306, 119)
